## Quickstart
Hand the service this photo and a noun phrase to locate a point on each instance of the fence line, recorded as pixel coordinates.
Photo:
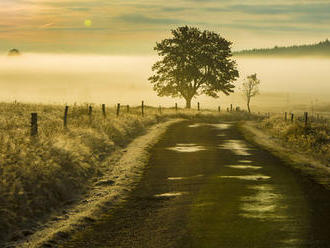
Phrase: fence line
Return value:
(306, 119)
(103, 111)
(34, 124)
(90, 114)
(65, 119)
(142, 108)
(118, 109)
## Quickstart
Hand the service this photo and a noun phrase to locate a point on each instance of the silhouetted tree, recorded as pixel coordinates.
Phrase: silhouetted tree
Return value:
(250, 88)
(193, 62)
(14, 52)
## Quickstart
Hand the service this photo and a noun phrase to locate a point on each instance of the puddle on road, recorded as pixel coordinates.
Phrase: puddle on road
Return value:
(183, 178)
(244, 167)
(176, 178)
(239, 147)
(197, 125)
(221, 126)
(265, 203)
(203, 204)
(170, 194)
(221, 135)
(248, 177)
(294, 242)
(244, 161)
(187, 148)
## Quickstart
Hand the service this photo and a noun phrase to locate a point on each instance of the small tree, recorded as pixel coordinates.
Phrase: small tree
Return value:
(193, 63)
(250, 88)
(14, 52)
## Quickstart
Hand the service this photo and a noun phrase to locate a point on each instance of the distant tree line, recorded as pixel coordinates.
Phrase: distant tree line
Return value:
(319, 49)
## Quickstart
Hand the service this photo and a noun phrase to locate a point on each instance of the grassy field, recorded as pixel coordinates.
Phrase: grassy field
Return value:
(39, 175)
(312, 139)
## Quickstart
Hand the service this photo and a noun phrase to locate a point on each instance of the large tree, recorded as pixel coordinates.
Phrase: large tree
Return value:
(194, 62)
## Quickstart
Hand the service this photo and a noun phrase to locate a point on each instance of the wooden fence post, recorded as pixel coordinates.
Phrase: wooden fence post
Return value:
(65, 119)
(127, 108)
(160, 109)
(219, 109)
(285, 116)
(103, 111)
(142, 108)
(198, 106)
(90, 112)
(292, 116)
(231, 107)
(118, 109)
(34, 124)
(306, 119)
(176, 107)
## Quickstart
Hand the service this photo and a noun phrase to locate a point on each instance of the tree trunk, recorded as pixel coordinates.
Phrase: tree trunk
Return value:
(188, 103)
(248, 105)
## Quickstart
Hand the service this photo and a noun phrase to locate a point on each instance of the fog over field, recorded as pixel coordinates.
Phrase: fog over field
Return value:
(56, 78)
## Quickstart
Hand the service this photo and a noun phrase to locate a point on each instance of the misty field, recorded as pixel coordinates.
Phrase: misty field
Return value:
(51, 78)
(39, 175)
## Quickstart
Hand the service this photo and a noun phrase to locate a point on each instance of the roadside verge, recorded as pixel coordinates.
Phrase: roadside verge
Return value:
(301, 162)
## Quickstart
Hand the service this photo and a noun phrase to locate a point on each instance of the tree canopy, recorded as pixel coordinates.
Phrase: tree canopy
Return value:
(193, 62)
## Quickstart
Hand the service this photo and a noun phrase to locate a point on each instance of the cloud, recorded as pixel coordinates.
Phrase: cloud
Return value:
(174, 9)
(308, 17)
(317, 18)
(274, 9)
(77, 29)
(47, 25)
(31, 22)
(276, 28)
(142, 19)
(78, 9)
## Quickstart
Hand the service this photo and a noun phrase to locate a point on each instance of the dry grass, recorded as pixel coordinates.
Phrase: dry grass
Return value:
(313, 139)
(39, 176)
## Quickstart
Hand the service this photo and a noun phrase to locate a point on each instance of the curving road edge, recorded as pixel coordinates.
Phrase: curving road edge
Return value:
(318, 172)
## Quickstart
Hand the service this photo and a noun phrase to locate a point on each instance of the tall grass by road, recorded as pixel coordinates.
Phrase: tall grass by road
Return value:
(40, 175)
(312, 139)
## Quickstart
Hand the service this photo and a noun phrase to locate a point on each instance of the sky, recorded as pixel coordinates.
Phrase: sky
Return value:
(129, 27)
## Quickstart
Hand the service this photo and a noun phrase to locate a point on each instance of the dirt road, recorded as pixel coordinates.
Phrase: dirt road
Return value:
(205, 186)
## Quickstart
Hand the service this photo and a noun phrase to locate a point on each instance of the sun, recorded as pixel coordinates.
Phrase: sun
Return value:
(88, 23)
